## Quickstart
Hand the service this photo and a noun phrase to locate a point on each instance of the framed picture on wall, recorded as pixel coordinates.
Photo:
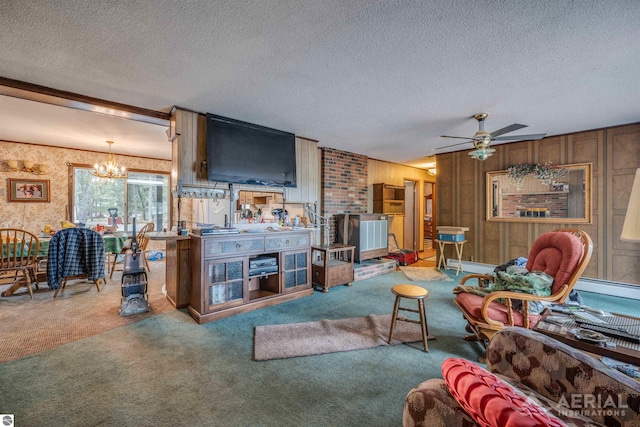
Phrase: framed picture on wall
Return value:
(28, 190)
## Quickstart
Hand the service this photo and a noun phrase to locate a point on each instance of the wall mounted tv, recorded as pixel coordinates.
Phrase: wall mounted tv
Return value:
(244, 153)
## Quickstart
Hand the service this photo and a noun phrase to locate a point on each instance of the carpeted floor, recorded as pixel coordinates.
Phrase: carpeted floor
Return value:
(79, 311)
(166, 370)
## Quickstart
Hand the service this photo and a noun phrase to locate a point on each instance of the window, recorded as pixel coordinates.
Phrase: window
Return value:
(144, 196)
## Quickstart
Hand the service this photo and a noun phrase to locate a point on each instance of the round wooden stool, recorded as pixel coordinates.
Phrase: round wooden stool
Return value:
(411, 292)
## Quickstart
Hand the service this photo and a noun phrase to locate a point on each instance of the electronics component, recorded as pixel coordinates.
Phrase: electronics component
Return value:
(588, 317)
(263, 265)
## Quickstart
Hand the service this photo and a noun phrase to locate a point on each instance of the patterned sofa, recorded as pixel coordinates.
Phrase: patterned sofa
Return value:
(577, 389)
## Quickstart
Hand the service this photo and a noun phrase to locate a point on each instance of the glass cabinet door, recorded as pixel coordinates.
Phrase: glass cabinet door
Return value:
(225, 282)
(295, 270)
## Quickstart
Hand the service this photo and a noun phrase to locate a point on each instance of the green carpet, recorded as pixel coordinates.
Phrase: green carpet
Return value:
(168, 371)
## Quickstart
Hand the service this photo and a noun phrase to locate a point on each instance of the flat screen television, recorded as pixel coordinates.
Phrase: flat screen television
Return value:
(244, 153)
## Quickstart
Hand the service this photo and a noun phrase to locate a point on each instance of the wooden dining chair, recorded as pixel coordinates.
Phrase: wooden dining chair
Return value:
(143, 241)
(19, 257)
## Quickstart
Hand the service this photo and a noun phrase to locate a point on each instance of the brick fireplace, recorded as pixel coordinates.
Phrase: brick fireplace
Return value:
(343, 185)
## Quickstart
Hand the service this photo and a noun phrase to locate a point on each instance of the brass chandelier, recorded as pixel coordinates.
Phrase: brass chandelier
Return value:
(109, 168)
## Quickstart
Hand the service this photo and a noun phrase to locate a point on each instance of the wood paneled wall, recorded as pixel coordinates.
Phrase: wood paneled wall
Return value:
(614, 154)
(394, 174)
(307, 173)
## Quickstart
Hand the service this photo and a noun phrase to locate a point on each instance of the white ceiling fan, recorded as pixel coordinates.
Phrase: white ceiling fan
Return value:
(482, 139)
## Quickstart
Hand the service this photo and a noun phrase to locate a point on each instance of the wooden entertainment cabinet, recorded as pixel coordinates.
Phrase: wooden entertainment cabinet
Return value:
(222, 285)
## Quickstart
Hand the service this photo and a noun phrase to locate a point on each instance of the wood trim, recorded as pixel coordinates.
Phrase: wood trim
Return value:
(394, 163)
(71, 191)
(308, 139)
(34, 92)
(176, 108)
(418, 214)
(71, 185)
(149, 171)
(588, 199)
(85, 150)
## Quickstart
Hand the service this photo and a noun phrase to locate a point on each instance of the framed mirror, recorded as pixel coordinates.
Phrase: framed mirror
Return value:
(540, 193)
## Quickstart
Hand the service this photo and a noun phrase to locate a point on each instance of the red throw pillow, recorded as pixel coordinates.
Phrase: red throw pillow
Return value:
(490, 401)
(556, 253)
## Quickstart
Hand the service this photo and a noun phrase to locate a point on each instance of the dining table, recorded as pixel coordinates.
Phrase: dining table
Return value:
(113, 245)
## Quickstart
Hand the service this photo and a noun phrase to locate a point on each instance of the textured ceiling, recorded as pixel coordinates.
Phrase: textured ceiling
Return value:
(379, 78)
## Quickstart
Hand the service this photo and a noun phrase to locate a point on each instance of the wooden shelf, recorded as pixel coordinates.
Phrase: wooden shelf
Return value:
(388, 199)
(264, 275)
(260, 293)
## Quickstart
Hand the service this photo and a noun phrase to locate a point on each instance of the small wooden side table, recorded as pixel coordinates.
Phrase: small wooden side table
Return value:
(332, 265)
(442, 262)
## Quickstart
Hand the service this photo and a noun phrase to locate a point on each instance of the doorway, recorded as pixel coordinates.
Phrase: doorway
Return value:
(429, 215)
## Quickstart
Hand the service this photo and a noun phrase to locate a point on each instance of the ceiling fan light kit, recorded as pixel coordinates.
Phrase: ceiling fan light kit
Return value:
(481, 153)
(482, 138)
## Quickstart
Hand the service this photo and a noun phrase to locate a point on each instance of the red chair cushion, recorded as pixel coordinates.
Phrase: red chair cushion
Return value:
(556, 253)
(490, 401)
(473, 305)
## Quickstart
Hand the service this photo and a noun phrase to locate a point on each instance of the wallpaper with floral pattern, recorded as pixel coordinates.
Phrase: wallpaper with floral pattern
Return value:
(33, 216)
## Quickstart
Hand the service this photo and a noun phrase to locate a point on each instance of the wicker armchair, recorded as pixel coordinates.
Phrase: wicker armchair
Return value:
(563, 254)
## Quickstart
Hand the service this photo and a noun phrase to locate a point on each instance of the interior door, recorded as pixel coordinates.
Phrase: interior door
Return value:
(409, 216)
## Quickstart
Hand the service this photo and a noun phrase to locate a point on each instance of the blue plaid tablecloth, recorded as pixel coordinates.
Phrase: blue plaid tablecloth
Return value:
(74, 252)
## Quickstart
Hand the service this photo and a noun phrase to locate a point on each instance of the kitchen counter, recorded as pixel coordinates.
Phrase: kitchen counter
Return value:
(162, 235)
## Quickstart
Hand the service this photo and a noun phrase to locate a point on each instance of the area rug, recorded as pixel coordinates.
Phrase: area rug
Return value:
(423, 274)
(30, 326)
(330, 336)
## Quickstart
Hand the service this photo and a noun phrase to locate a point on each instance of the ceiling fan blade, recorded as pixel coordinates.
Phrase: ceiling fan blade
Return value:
(453, 145)
(520, 137)
(508, 129)
(459, 137)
